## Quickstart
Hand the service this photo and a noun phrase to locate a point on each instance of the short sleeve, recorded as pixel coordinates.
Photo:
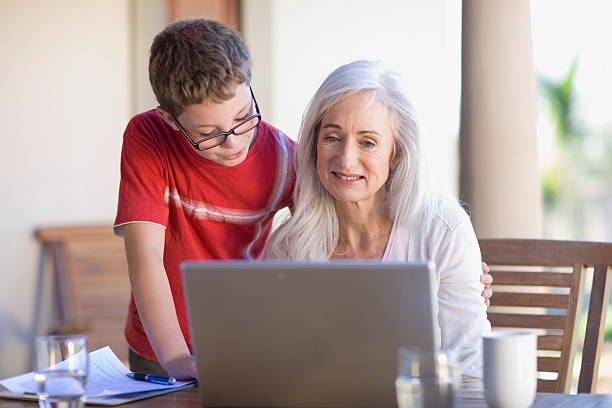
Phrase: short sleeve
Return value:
(143, 188)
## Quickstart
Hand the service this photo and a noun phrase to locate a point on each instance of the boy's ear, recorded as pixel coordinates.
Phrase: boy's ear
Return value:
(165, 115)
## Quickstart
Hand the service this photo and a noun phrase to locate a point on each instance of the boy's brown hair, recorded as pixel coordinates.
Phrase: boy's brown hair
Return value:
(197, 60)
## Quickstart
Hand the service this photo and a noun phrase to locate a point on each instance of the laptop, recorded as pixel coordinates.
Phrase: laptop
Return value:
(302, 334)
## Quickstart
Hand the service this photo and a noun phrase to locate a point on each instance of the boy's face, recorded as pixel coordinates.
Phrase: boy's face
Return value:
(208, 118)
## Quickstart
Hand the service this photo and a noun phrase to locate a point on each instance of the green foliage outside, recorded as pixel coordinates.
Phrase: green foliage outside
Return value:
(560, 98)
(608, 330)
(578, 176)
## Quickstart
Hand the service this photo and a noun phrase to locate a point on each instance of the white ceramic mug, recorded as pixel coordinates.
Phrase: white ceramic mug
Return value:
(510, 369)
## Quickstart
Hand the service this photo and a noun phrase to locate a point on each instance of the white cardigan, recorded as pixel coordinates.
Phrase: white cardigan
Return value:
(450, 242)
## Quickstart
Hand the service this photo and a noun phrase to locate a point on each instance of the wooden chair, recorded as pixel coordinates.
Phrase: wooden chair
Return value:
(533, 299)
(91, 283)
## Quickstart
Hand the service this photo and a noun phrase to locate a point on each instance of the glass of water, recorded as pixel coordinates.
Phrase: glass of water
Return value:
(427, 378)
(60, 372)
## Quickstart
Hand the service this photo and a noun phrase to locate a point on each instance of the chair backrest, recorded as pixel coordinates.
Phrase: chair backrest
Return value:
(548, 298)
(90, 277)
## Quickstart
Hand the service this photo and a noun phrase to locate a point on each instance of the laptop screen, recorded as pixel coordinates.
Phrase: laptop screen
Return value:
(296, 334)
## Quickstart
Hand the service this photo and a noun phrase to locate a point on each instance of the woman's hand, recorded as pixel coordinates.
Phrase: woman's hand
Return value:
(487, 279)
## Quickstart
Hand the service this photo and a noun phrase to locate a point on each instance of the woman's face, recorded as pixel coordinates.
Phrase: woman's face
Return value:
(354, 147)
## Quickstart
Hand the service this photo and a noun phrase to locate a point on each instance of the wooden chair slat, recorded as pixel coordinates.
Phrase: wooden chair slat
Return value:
(550, 342)
(547, 385)
(549, 364)
(543, 252)
(68, 233)
(556, 279)
(553, 322)
(531, 299)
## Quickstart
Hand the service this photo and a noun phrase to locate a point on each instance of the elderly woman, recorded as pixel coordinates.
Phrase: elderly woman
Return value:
(360, 194)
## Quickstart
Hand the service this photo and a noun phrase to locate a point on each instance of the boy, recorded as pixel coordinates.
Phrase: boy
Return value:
(201, 178)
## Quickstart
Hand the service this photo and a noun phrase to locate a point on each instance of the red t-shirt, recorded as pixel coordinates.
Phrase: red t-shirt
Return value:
(210, 211)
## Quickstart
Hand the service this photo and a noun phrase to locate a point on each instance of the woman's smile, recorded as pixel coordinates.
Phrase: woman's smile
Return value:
(347, 178)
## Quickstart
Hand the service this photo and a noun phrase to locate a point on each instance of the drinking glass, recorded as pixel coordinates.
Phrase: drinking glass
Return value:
(60, 372)
(427, 378)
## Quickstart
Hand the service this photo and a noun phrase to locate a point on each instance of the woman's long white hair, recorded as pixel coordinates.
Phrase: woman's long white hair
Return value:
(311, 233)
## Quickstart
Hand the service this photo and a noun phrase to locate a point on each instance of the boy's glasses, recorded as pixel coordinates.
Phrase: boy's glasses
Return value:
(215, 140)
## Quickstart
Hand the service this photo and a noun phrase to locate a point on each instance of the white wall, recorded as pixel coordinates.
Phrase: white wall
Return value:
(295, 44)
(67, 94)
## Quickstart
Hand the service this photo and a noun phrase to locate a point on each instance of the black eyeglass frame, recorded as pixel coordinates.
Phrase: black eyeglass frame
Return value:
(224, 135)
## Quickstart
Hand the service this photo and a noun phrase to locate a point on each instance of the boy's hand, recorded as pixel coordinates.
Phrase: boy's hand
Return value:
(487, 279)
(182, 368)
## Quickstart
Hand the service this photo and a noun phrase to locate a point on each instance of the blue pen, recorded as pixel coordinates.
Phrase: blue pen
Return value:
(157, 379)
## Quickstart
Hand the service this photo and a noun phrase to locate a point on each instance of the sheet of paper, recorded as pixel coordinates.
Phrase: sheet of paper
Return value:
(107, 377)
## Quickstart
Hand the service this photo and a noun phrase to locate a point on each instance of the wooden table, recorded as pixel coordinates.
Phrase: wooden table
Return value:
(190, 398)
(475, 399)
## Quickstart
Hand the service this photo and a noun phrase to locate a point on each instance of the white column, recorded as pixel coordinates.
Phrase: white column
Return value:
(499, 170)
(148, 17)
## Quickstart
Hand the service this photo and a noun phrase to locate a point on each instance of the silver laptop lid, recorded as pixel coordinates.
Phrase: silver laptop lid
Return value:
(280, 334)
